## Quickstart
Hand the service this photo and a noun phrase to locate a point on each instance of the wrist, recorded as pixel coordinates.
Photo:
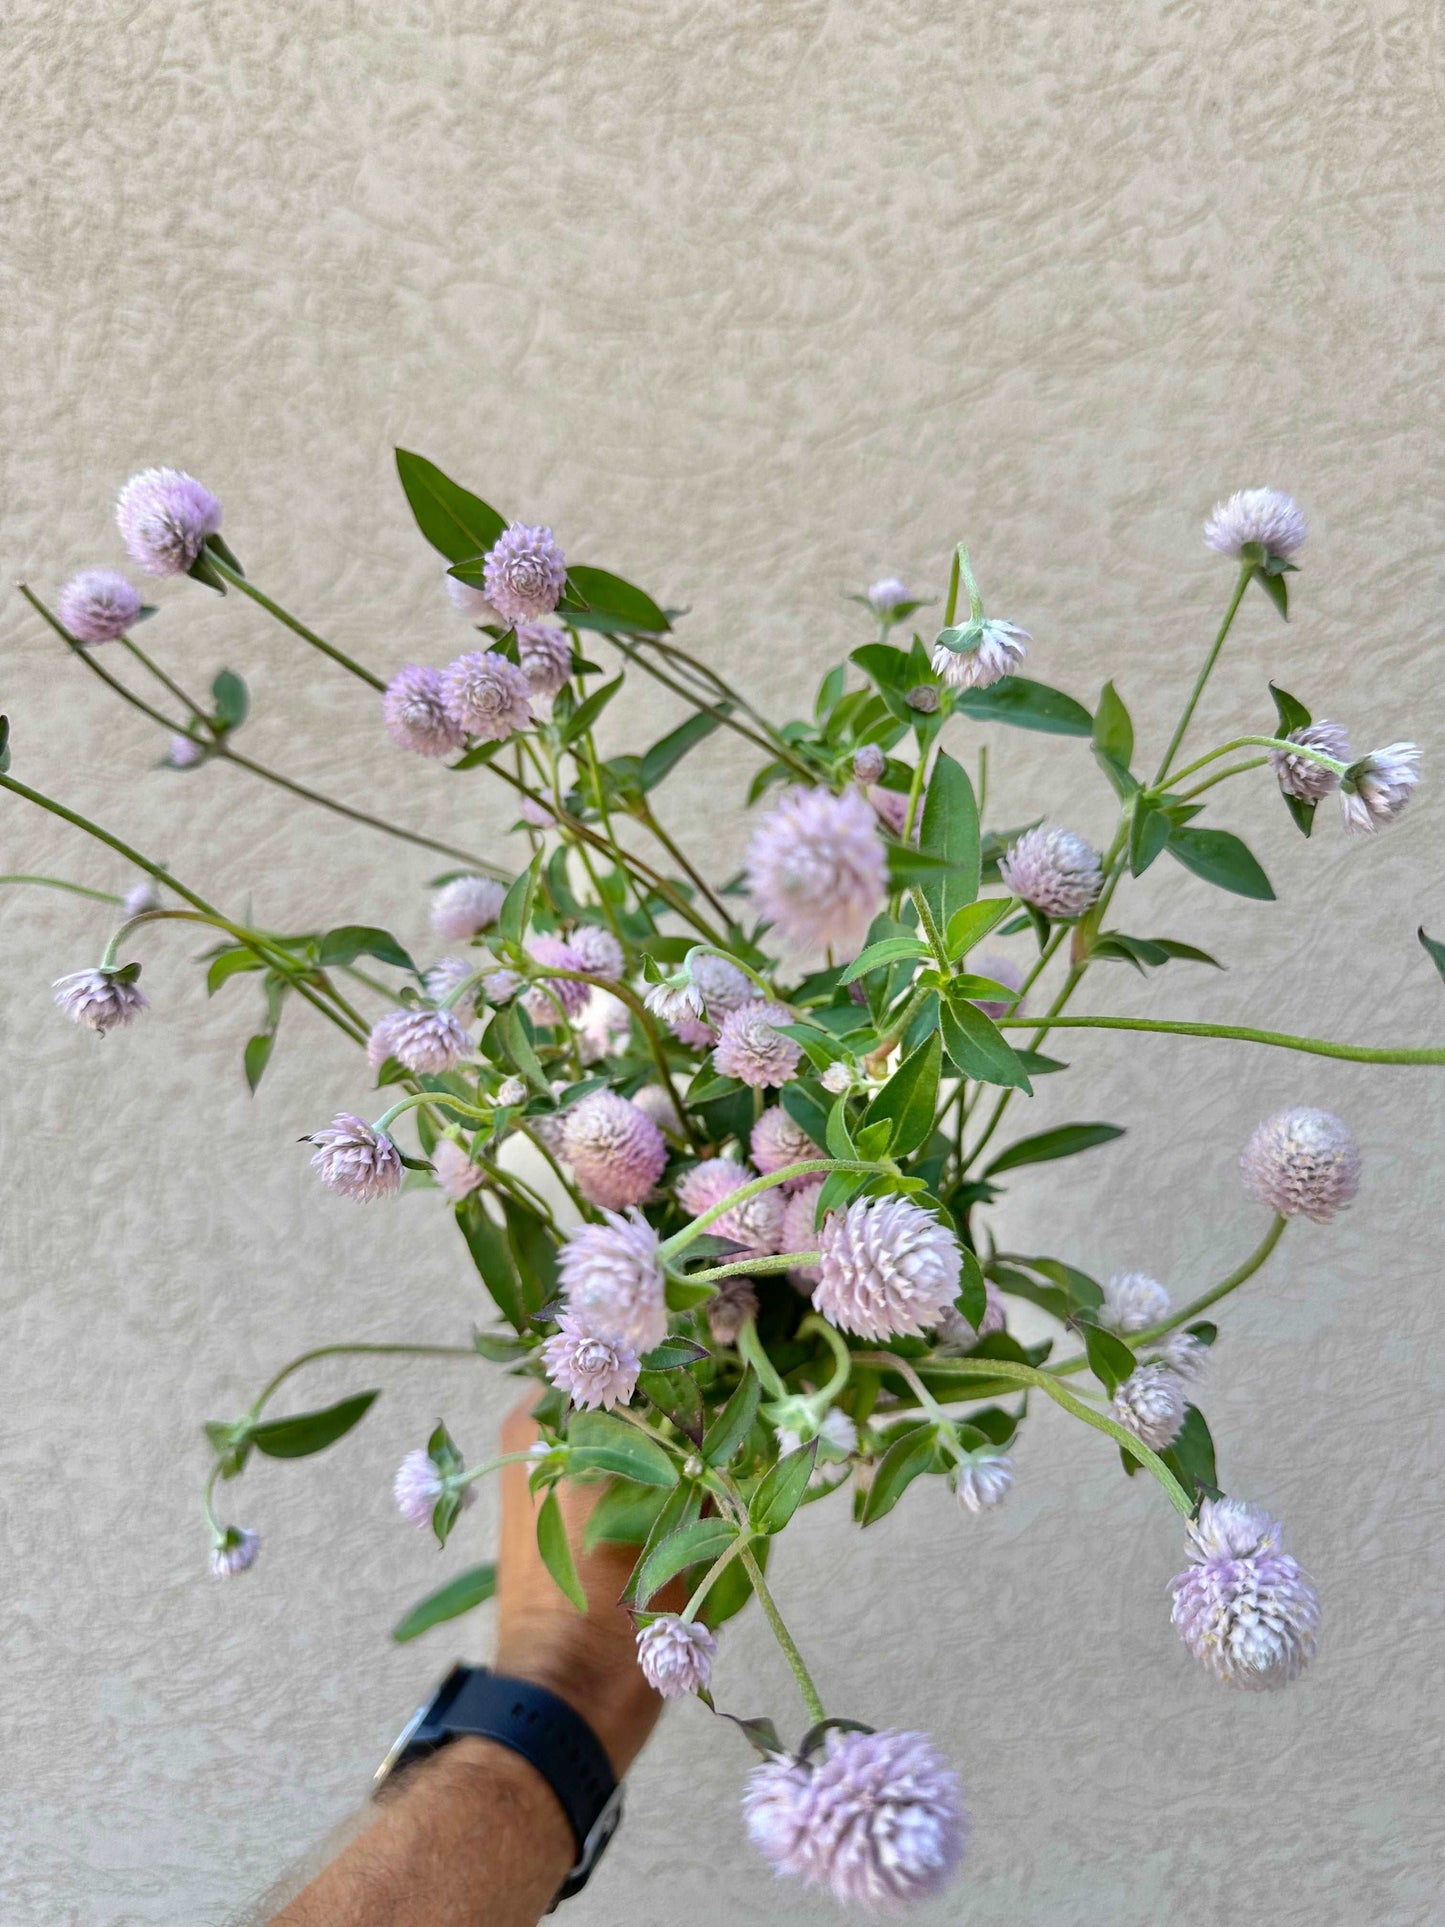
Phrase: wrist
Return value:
(614, 1699)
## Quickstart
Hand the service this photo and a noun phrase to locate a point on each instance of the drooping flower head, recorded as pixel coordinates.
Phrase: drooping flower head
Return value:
(445, 976)
(164, 517)
(463, 908)
(524, 573)
(869, 764)
(592, 1370)
(234, 1552)
(817, 870)
(545, 657)
(1302, 1163)
(420, 1039)
(454, 1171)
(599, 950)
(1133, 1302)
(876, 1819)
(418, 1484)
(1379, 786)
(675, 1655)
(555, 998)
(1003, 970)
(984, 1480)
(1297, 775)
(749, 1046)
(756, 1223)
(991, 650)
(778, 1140)
(356, 1160)
(953, 1331)
(1244, 1608)
(97, 605)
(887, 594)
(612, 1278)
(1054, 870)
(799, 1231)
(415, 712)
(1151, 1404)
(486, 696)
(615, 1150)
(889, 1268)
(1263, 515)
(681, 1008)
(100, 1000)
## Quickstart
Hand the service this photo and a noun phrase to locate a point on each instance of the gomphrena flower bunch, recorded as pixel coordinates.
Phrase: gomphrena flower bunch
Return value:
(724, 1154)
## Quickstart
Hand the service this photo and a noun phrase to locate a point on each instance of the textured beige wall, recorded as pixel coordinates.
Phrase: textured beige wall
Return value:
(751, 301)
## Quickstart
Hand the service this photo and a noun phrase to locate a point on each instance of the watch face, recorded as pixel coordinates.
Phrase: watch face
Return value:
(399, 1745)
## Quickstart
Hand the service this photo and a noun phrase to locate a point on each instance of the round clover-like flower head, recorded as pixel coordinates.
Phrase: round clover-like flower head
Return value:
(499, 986)
(1297, 775)
(676, 1656)
(1263, 515)
(1133, 1302)
(164, 517)
(420, 1040)
(778, 1140)
(511, 1092)
(418, 1485)
(97, 605)
(876, 1819)
(446, 975)
(1379, 786)
(463, 908)
(680, 1007)
(615, 1150)
(356, 1160)
(234, 1552)
(953, 1331)
(1244, 1608)
(184, 752)
(545, 656)
(139, 898)
(756, 1223)
(415, 712)
(869, 764)
(454, 1171)
(750, 1048)
(887, 594)
(548, 1003)
(992, 651)
(724, 987)
(799, 1232)
(612, 1278)
(729, 1309)
(100, 1000)
(605, 1026)
(486, 696)
(817, 870)
(1185, 1354)
(524, 573)
(889, 1268)
(1053, 869)
(592, 1370)
(599, 950)
(1003, 970)
(984, 1480)
(1151, 1404)
(1302, 1163)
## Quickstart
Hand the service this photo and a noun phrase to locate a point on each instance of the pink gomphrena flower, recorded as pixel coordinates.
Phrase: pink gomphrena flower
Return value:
(1297, 775)
(599, 950)
(486, 696)
(612, 1278)
(890, 1269)
(654, 1101)
(817, 870)
(555, 999)
(454, 1171)
(869, 763)
(97, 605)
(545, 657)
(140, 898)
(778, 1140)
(876, 1819)
(675, 1655)
(604, 1028)
(468, 600)
(800, 1231)
(984, 1480)
(996, 650)
(524, 573)
(414, 710)
(1054, 870)
(1151, 1404)
(420, 1040)
(615, 1150)
(1244, 1608)
(887, 594)
(1302, 1163)
(234, 1552)
(592, 1370)
(185, 752)
(356, 1160)
(101, 1000)
(1379, 786)
(729, 1309)
(723, 985)
(1257, 515)
(756, 1223)
(418, 1484)
(463, 908)
(447, 975)
(1133, 1302)
(1003, 970)
(164, 517)
(953, 1331)
(749, 1046)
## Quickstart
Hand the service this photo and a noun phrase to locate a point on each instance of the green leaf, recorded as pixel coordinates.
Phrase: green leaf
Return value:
(231, 698)
(308, 1432)
(556, 1553)
(1064, 1141)
(468, 1590)
(1083, 1290)
(352, 940)
(733, 1423)
(837, 1139)
(891, 950)
(511, 1033)
(1110, 1359)
(611, 602)
(1037, 1064)
(972, 1300)
(533, 1253)
(601, 1443)
(1220, 859)
(1274, 588)
(586, 714)
(665, 755)
(1025, 704)
(901, 1464)
(803, 1108)
(257, 1057)
(907, 1100)
(950, 832)
(1433, 949)
(697, 1544)
(229, 964)
(781, 1491)
(516, 911)
(971, 923)
(977, 1048)
(455, 522)
(4, 744)
(624, 1515)
(1113, 731)
(1149, 831)
(1191, 1456)
(492, 1258)
(907, 866)
(884, 665)
(672, 1355)
(1291, 711)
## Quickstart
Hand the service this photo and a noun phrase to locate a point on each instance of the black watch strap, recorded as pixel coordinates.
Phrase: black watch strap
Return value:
(546, 1731)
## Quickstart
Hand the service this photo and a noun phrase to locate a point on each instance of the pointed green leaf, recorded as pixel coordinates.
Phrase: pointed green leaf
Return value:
(950, 832)
(1149, 830)
(665, 755)
(977, 1048)
(488, 1246)
(781, 1491)
(231, 698)
(1025, 704)
(1433, 949)
(890, 950)
(1274, 587)
(1110, 1359)
(556, 1553)
(1113, 731)
(916, 1452)
(697, 1544)
(463, 1594)
(257, 1057)
(972, 1300)
(907, 1100)
(971, 923)
(601, 1443)
(1064, 1141)
(308, 1432)
(1221, 859)
(586, 714)
(1291, 711)
(596, 599)
(458, 524)
(733, 1423)
(516, 911)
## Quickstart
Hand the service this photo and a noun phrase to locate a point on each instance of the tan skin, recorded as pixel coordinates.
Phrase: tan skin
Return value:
(474, 1837)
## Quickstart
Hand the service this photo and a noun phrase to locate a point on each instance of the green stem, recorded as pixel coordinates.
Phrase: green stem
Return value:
(1220, 776)
(1246, 571)
(674, 1246)
(837, 1344)
(750, 1347)
(239, 581)
(745, 1267)
(358, 1350)
(1246, 1034)
(710, 1578)
(414, 1098)
(154, 668)
(1281, 744)
(475, 1472)
(646, 817)
(118, 937)
(931, 930)
(59, 883)
(784, 1638)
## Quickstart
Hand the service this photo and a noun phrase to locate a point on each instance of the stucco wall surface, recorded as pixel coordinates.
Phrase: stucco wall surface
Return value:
(751, 302)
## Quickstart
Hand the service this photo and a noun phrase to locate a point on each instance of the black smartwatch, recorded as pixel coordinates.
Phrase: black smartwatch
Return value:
(544, 1730)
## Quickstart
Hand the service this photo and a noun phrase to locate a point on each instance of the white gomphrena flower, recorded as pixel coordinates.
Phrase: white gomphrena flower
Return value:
(779, 1140)
(550, 1002)
(889, 1268)
(994, 650)
(676, 1656)
(418, 1484)
(799, 1231)
(984, 1480)
(140, 898)
(356, 1160)
(817, 870)
(1244, 1608)
(592, 1369)
(724, 987)
(615, 1150)
(887, 594)
(1297, 775)
(1054, 870)
(184, 753)
(612, 1278)
(419, 1039)
(1302, 1163)
(677, 1004)
(234, 1552)
(1182, 1352)
(751, 1048)
(838, 1077)
(101, 1000)
(1151, 1404)
(601, 953)
(454, 1170)
(869, 764)
(511, 1092)
(1133, 1302)
(1274, 521)
(463, 908)
(1379, 786)
(837, 1438)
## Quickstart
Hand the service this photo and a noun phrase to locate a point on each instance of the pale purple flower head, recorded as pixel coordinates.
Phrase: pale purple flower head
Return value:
(510, 1092)
(355, 1159)
(953, 1331)
(1301, 778)
(454, 1171)
(605, 1026)
(890, 1269)
(468, 600)
(1133, 1302)
(891, 809)
(800, 1232)
(420, 1040)
(1244, 1608)
(675, 1655)
(416, 715)
(724, 986)
(1263, 515)
(235, 1552)
(756, 1223)
(100, 1000)
(750, 1048)
(876, 1819)
(1379, 786)
(615, 1150)
(1003, 970)
(97, 605)
(681, 1008)
(498, 986)
(869, 764)
(887, 594)
(524, 573)
(536, 813)
(1302, 1163)
(139, 898)
(994, 650)
(545, 656)
(612, 1278)
(1151, 1404)
(777, 1140)
(591, 1370)
(555, 998)
(984, 1480)
(446, 975)
(817, 870)
(1185, 1354)
(418, 1484)
(463, 908)
(729, 1309)
(486, 696)
(1054, 870)
(164, 517)
(184, 752)
(599, 950)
